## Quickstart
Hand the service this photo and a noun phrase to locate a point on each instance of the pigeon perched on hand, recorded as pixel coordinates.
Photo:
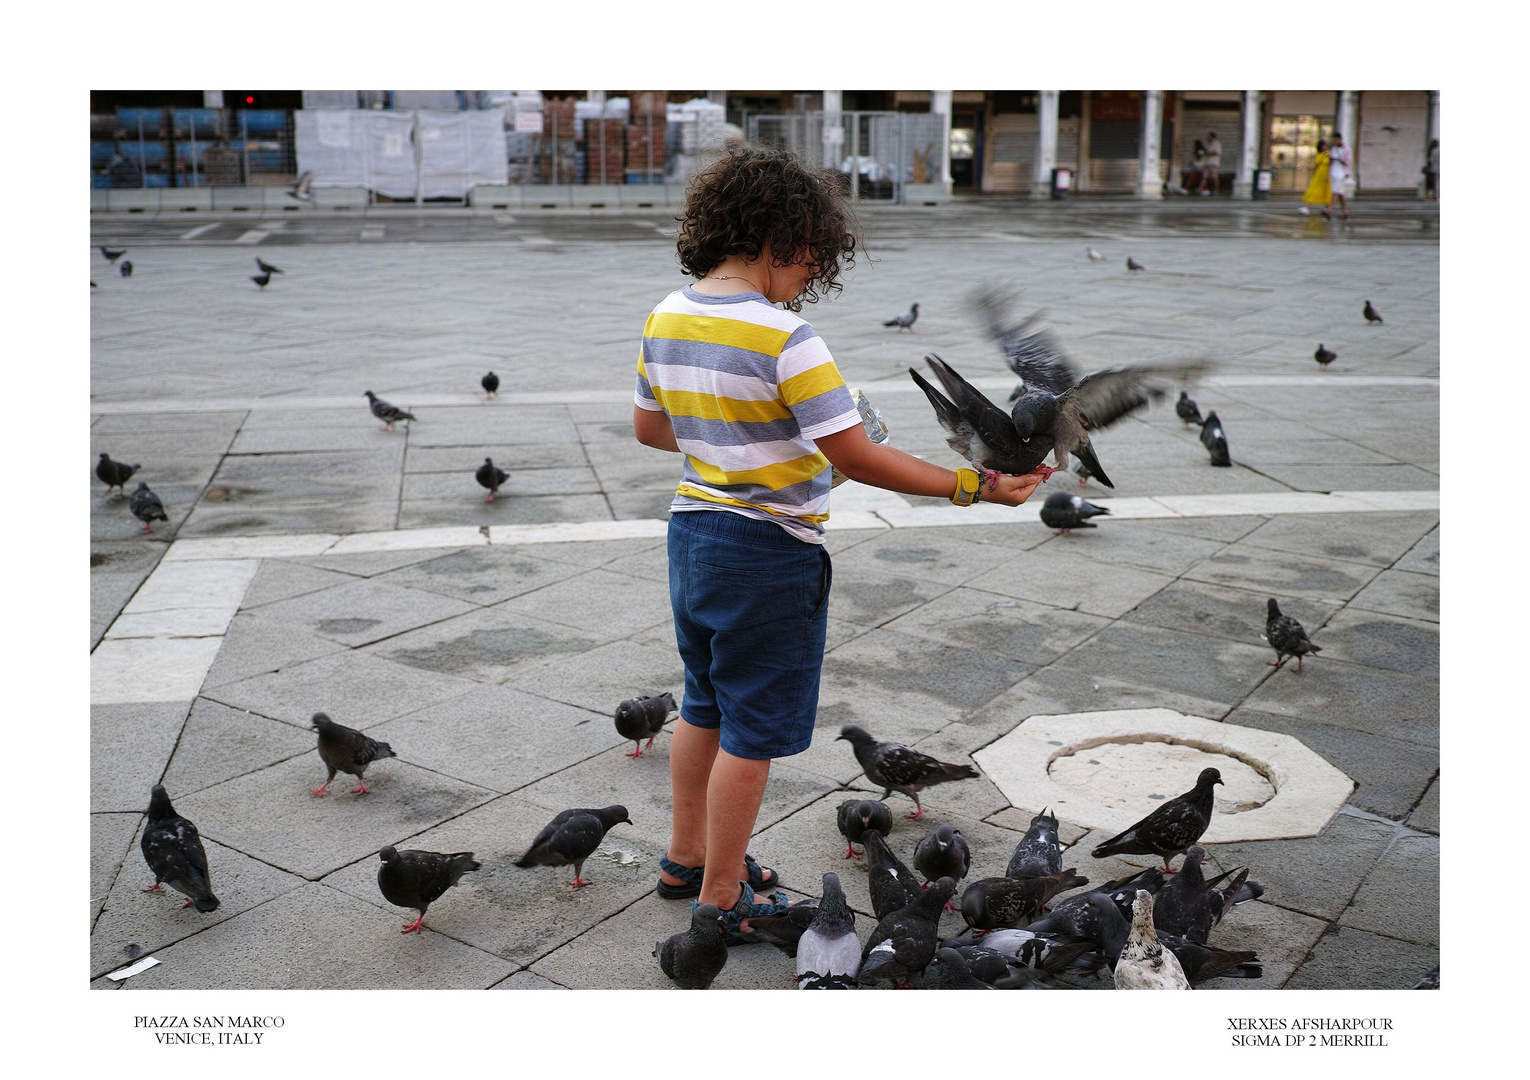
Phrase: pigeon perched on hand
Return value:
(1065, 512)
(897, 768)
(637, 718)
(943, 853)
(1324, 357)
(855, 816)
(695, 956)
(490, 476)
(1132, 264)
(126, 269)
(417, 879)
(146, 506)
(905, 321)
(1214, 439)
(994, 902)
(1039, 851)
(114, 473)
(173, 850)
(1144, 963)
(262, 279)
(390, 414)
(1171, 829)
(572, 837)
(1187, 410)
(113, 256)
(266, 268)
(1285, 636)
(904, 943)
(1371, 314)
(1094, 256)
(893, 886)
(347, 750)
(829, 952)
(303, 189)
(490, 384)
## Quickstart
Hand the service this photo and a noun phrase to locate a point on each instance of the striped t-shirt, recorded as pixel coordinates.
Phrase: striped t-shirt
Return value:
(747, 387)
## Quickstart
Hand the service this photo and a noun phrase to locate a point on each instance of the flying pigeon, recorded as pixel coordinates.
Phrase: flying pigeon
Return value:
(490, 384)
(1039, 851)
(114, 473)
(1074, 917)
(1144, 964)
(266, 268)
(262, 279)
(146, 506)
(1199, 962)
(897, 768)
(1371, 314)
(113, 256)
(1286, 637)
(1324, 357)
(1214, 439)
(417, 879)
(1094, 256)
(174, 852)
(994, 902)
(126, 269)
(572, 837)
(1187, 410)
(490, 476)
(694, 957)
(1431, 981)
(303, 189)
(904, 943)
(391, 414)
(639, 717)
(951, 972)
(943, 853)
(855, 816)
(1171, 828)
(1132, 264)
(344, 749)
(893, 886)
(1065, 512)
(905, 321)
(829, 952)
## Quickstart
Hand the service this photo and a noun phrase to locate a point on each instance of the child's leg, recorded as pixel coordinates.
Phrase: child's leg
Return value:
(733, 798)
(692, 752)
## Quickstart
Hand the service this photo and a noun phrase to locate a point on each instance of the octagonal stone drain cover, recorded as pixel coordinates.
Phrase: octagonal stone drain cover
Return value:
(1107, 770)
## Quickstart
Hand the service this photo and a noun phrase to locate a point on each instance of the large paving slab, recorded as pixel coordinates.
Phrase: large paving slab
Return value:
(219, 743)
(488, 645)
(1366, 699)
(1283, 574)
(481, 575)
(599, 602)
(1401, 897)
(360, 612)
(1020, 630)
(1378, 539)
(256, 644)
(1402, 592)
(129, 746)
(1075, 582)
(111, 840)
(1345, 958)
(604, 677)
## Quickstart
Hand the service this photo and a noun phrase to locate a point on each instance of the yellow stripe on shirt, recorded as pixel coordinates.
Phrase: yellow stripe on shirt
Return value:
(693, 492)
(810, 384)
(775, 477)
(708, 407)
(716, 331)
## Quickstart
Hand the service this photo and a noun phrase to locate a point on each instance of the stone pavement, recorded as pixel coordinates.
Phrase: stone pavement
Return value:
(492, 661)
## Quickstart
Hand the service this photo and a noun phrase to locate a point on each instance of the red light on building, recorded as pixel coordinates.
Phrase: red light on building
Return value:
(250, 100)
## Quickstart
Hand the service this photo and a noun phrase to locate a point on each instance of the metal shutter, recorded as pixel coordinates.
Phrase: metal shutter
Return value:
(1012, 152)
(1201, 119)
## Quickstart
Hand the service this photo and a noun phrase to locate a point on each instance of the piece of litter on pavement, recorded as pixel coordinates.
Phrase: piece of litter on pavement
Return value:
(133, 969)
(620, 857)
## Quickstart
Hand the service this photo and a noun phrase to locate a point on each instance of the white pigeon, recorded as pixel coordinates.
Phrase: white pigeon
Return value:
(1094, 256)
(1144, 963)
(829, 952)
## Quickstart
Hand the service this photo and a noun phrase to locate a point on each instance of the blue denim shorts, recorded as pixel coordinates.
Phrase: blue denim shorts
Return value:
(751, 606)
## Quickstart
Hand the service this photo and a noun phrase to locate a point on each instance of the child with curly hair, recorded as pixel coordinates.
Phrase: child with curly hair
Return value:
(749, 394)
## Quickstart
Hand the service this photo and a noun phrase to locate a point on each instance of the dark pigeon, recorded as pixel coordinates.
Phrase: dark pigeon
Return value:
(905, 321)
(1214, 439)
(146, 506)
(943, 853)
(893, 886)
(389, 414)
(1324, 357)
(643, 718)
(1187, 410)
(1285, 636)
(694, 957)
(266, 268)
(114, 473)
(1081, 471)
(855, 816)
(126, 269)
(1132, 264)
(897, 768)
(490, 476)
(1022, 948)
(829, 952)
(572, 837)
(785, 929)
(1039, 851)
(1073, 917)
(93, 285)
(173, 850)
(1065, 512)
(1188, 906)
(1171, 829)
(1371, 314)
(347, 750)
(904, 943)
(1431, 981)
(951, 972)
(995, 902)
(261, 279)
(1198, 961)
(113, 256)
(490, 384)
(417, 879)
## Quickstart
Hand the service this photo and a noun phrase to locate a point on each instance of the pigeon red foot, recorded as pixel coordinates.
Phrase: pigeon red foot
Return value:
(850, 852)
(361, 790)
(322, 789)
(415, 926)
(579, 882)
(156, 887)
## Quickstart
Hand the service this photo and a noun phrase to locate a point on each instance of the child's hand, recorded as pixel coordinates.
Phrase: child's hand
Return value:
(1012, 490)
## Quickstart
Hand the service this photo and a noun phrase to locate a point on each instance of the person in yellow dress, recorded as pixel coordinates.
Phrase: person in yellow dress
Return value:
(1318, 192)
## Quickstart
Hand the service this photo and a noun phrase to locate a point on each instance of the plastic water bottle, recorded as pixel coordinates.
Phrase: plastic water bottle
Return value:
(871, 420)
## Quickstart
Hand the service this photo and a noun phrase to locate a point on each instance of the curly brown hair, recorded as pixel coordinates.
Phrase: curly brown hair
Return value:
(758, 195)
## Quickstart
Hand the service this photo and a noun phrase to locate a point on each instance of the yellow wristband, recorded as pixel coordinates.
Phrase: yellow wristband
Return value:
(968, 483)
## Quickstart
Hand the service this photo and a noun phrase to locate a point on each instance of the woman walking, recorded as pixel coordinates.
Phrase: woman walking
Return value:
(1318, 193)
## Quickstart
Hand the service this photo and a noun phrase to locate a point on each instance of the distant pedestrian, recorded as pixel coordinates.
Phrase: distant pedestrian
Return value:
(1339, 164)
(1213, 166)
(1197, 166)
(1432, 171)
(1317, 191)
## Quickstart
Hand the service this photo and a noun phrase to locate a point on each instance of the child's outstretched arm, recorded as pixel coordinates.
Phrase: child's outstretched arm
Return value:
(654, 429)
(867, 462)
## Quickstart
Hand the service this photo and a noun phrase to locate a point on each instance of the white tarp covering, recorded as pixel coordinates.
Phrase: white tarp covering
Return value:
(376, 149)
(389, 151)
(330, 144)
(461, 149)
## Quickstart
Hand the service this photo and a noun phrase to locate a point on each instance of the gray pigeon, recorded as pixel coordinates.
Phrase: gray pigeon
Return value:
(639, 718)
(347, 750)
(1065, 512)
(572, 837)
(1371, 314)
(994, 902)
(892, 885)
(943, 853)
(1039, 851)
(904, 943)
(1285, 636)
(1022, 948)
(388, 413)
(1172, 828)
(829, 952)
(897, 768)
(417, 879)
(855, 816)
(490, 476)
(1187, 410)
(114, 474)
(126, 269)
(951, 972)
(1431, 981)
(173, 850)
(1214, 439)
(905, 321)
(1132, 264)
(146, 506)
(1144, 963)
(694, 957)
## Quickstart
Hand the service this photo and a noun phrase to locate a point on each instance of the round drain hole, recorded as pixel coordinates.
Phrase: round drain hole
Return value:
(1136, 775)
